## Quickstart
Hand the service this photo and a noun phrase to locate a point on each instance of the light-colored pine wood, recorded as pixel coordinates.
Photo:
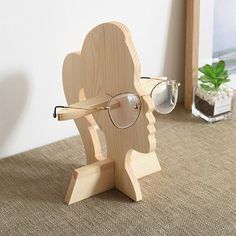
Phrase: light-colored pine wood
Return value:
(148, 84)
(98, 101)
(108, 63)
(86, 180)
(144, 164)
(74, 92)
(98, 177)
(192, 48)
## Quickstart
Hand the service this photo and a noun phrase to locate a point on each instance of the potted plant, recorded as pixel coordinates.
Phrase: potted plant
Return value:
(212, 98)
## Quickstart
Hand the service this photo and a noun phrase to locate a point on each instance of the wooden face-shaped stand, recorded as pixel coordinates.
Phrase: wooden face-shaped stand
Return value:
(108, 64)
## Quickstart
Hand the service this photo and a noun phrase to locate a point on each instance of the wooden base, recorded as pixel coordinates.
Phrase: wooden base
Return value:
(90, 180)
(99, 177)
(145, 164)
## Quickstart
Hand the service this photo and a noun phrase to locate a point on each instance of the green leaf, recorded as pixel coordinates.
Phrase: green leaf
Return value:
(206, 87)
(225, 81)
(225, 72)
(213, 76)
(205, 79)
(220, 66)
(220, 82)
(222, 78)
(208, 70)
(201, 69)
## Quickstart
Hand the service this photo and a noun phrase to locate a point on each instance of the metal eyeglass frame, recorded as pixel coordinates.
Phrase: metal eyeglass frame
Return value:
(112, 97)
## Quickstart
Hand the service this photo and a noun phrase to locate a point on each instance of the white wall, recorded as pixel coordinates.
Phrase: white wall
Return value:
(35, 36)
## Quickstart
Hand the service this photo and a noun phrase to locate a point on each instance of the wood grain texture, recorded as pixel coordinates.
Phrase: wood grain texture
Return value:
(144, 164)
(74, 92)
(192, 49)
(148, 84)
(95, 102)
(86, 180)
(108, 63)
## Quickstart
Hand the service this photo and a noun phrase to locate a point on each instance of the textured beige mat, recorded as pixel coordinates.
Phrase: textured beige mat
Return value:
(194, 194)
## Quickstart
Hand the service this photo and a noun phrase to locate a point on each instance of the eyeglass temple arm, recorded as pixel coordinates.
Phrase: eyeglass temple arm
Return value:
(81, 109)
(157, 78)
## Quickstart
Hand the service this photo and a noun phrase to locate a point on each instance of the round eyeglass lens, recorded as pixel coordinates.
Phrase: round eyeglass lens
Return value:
(124, 109)
(164, 96)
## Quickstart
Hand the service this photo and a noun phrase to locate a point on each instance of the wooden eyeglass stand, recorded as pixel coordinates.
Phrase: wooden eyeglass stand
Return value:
(108, 64)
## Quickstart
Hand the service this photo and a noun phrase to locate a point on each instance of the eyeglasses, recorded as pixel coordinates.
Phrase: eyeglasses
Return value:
(165, 96)
(124, 109)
